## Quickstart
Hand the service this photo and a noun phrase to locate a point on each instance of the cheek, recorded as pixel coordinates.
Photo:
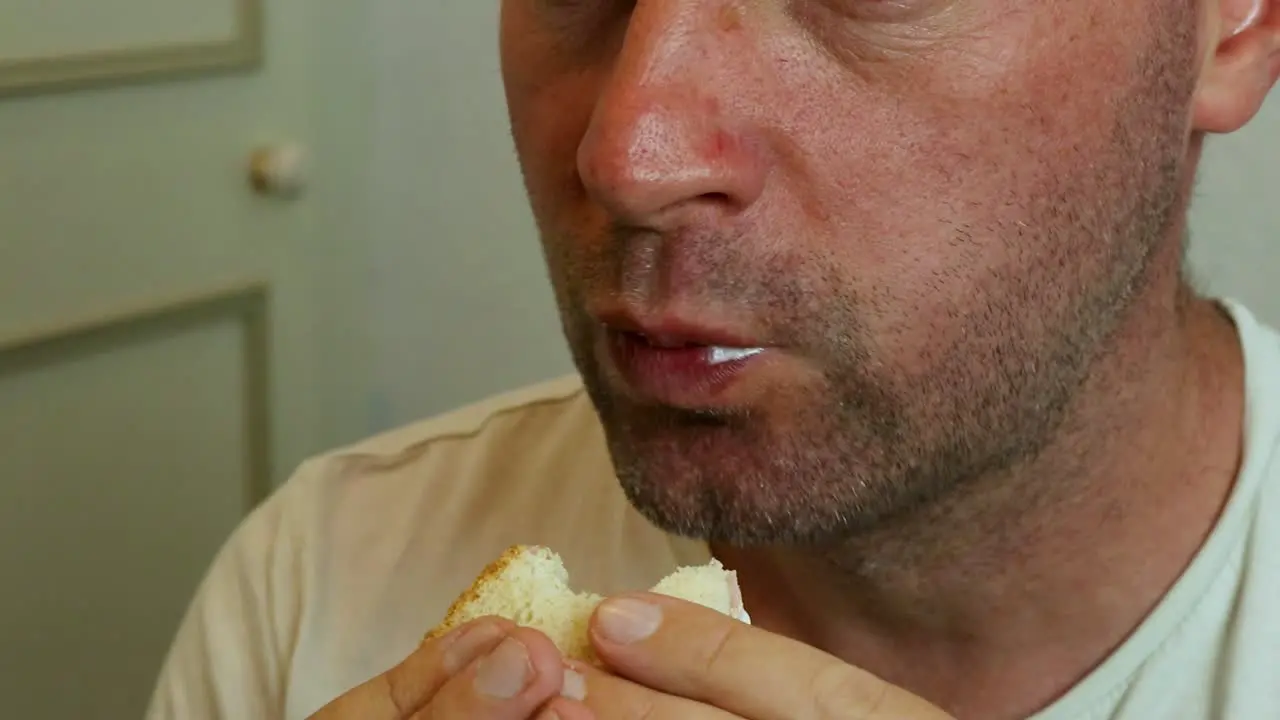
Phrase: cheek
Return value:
(547, 123)
(947, 201)
(548, 127)
(549, 103)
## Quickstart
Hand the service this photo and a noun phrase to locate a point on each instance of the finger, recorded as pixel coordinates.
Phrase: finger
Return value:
(609, 697)
(407, 687)
(510, 682)
(565, 709)
(685, 649)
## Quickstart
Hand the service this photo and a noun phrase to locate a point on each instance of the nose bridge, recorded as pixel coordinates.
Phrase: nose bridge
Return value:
(659, 133)
(661, 37)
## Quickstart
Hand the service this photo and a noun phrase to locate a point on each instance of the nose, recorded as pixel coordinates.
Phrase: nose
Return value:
(664, 135)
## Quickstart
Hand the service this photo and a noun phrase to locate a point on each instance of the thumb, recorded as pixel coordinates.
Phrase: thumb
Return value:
(409, 686)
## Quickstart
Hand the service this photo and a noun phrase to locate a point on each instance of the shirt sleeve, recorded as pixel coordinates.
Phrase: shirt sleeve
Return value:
(231, 656)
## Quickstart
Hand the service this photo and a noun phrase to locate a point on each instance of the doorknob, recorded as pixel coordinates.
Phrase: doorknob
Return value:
(278, 170)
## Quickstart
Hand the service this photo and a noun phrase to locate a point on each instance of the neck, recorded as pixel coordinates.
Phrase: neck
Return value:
(996, 601)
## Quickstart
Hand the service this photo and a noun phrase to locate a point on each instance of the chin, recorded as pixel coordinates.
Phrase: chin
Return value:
(715, 479)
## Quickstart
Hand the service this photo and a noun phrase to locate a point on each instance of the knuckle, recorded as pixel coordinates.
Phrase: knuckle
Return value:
(644, 709)
(717, 650)
(842, 692)
(396, 685)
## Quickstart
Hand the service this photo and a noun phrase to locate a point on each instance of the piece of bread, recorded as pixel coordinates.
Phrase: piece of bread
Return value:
(529, 585)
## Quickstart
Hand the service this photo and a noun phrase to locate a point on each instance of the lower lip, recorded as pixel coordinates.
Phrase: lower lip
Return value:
(681, 377)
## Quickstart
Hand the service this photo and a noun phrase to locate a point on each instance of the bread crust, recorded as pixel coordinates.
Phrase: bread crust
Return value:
(457, 613)
(453, 616)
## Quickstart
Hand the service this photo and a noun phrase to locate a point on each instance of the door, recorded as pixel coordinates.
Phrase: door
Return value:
(156, 324)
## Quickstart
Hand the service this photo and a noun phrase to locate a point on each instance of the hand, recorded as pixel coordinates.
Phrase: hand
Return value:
(672, 659)
(487, 669)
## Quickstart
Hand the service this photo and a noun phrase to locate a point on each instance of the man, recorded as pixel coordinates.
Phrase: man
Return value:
(880, 302)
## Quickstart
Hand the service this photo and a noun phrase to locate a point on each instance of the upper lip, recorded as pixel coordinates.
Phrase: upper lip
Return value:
(672, 330)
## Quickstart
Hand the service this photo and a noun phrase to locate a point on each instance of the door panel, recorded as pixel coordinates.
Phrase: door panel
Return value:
(156, 339)
(38, 28)
(130, 448)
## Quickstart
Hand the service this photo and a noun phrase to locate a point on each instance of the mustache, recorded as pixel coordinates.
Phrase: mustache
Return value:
(795, 298)
(648, 267)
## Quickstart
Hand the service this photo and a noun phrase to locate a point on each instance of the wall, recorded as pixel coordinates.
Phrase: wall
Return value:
(1235, 218)
(458, 299)
(459, 303)
(340, 188)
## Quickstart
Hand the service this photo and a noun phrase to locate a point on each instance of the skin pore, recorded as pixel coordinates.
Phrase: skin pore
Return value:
(997, 423)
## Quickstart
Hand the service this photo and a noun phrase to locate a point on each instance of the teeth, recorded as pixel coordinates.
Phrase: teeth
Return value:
(720, 355)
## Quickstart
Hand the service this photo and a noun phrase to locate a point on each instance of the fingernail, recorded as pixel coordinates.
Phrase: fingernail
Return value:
(627, 620)
(574, 686)
(465, 648)
(549, 714)
(505, 672)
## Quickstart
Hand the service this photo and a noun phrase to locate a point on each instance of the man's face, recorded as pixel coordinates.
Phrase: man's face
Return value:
(821, 261)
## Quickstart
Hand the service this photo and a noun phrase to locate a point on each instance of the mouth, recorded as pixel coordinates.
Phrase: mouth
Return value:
(714, 354)
(680, 364)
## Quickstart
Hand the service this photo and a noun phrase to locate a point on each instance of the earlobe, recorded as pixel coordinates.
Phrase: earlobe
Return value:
(1241, 64)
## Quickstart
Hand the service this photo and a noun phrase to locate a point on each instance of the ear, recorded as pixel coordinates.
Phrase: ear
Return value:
(1241, 63)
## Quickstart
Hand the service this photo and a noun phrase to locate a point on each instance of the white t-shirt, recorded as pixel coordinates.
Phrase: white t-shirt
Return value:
(337, 576)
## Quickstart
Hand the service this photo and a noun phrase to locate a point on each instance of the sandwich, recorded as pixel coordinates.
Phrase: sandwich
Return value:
(529, 585)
